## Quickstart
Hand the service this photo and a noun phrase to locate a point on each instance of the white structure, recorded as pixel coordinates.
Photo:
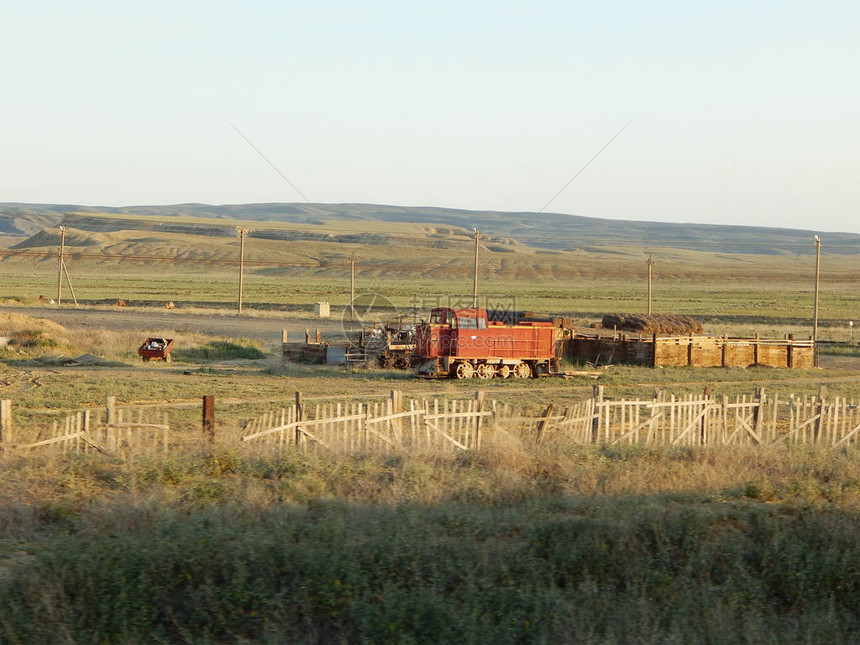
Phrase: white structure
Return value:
(322, 310)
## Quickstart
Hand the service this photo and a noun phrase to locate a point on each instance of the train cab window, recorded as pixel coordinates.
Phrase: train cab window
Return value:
(482, 323)
(437, 317)
(468, 323)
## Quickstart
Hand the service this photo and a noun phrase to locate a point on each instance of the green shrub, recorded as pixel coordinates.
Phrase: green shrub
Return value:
(35, 338)
(217, 351)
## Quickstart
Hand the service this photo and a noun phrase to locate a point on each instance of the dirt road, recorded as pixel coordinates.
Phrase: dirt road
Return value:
(266, 328)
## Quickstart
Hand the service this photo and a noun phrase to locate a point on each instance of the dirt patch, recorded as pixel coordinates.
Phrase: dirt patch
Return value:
(214, 324)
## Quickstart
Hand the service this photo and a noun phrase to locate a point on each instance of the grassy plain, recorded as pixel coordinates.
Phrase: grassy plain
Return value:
(769, 304)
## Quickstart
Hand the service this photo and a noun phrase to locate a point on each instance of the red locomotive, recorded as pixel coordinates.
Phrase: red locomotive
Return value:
(462, 343)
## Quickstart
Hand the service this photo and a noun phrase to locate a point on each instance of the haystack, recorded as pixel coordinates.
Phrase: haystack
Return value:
(660, 324)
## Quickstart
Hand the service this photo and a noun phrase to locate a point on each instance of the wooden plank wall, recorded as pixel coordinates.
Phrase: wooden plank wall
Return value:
(694, 351)
(312, 353)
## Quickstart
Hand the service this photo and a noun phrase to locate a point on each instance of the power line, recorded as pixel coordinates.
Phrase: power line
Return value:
(571, 180)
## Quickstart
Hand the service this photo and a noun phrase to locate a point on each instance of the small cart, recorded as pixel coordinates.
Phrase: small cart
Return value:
(156, 349)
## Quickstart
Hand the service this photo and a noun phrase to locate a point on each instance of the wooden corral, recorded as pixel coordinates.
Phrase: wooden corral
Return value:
(691, 351)
(309, 351)
(312, 353)
(609, 350)
(350, 348)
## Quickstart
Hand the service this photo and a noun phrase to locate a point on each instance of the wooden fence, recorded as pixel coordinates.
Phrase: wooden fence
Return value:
(694, 351)
(5, 420)
(375, 426)
(439, 424)
(691, 420)
(110, 430)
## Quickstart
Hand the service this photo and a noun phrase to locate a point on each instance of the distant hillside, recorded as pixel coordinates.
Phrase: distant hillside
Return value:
(544, 230)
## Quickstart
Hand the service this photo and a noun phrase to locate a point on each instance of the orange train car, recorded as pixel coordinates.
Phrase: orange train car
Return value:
(463, 343)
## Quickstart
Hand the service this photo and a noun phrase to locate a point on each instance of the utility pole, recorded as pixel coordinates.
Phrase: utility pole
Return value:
(352, 286)
(650, 263)
(62, 270)
(817, 276)
(242, 233)
(475, 277)
(60, 252)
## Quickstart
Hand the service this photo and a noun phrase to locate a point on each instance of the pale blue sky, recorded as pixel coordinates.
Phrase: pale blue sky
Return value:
(741, 113)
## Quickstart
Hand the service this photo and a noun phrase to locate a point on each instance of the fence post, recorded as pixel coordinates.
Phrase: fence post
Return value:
(396, 401)
(110, 409)
(819, 412)
(595, 420)
(111, 433)
(5, 421)
(543, 423)
(703, 429)
(209, 418)
(300, 413)
(166, 430)
(397, 424)
(690, 350)
(479, 408)
(758, 413)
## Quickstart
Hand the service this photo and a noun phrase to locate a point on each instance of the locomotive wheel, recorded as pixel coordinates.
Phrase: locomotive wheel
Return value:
(504, 371)
(401, 363)
(523, 370)
(486, 371)
(465, 370)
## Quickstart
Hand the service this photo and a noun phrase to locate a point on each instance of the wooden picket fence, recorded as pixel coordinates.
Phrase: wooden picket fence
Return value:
(704, 420)
(112, 430)
(374, 426)
(690, 420)
(440, 424)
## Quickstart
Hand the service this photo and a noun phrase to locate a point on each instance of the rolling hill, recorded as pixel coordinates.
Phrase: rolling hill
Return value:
(364, 223)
